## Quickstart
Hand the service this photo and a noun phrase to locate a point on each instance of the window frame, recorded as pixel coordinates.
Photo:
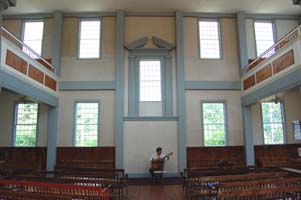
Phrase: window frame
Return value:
(43, 34)
(283, 122)
(224, 102)
(254, 33)
(15, 117)
(79, 37)
(161, 77)
(218, 20)
(75, 120)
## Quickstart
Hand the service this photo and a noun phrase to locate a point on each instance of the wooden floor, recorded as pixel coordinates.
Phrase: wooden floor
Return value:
(155, 192)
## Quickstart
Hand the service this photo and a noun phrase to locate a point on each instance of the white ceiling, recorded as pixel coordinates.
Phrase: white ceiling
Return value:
(212, 6)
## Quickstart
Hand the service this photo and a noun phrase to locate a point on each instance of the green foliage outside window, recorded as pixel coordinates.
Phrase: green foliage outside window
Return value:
(26, 124)
(87, 124)
(273, 125)
(214, 124)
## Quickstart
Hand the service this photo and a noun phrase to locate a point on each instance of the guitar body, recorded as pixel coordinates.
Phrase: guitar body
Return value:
(159, 163)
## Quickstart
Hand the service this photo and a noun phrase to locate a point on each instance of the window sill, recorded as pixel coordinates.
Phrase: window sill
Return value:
(150, 118)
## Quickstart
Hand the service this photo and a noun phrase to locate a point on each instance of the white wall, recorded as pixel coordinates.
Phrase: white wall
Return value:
(193, 115)
(141, 140)
(74, 69)
(225, 69)
(66, 115)
(7, 107)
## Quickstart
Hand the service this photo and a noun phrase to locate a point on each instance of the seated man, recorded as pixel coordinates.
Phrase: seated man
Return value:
(157, 161)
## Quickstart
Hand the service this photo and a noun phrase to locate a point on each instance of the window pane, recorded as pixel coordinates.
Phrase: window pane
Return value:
(214, 124)
(273, 125)
(87, 124)
(264, 36)
(26, 124)
(150, 80)
(89, 45)
(33, 37)
(209, 39)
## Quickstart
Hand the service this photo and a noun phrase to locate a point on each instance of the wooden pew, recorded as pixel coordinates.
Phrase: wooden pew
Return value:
(207, 186)
(49, 189)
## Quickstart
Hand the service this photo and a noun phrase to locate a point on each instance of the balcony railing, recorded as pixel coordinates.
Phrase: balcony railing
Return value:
(284, 42)
(26, 49)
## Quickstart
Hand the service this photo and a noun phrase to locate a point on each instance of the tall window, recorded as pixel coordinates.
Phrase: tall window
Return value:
(86, 124)
(33, 37)
(273, 123)
(26, 123)
(89, 42)
(214, 125)
(209, 34)
(264, 36)
(150, 80)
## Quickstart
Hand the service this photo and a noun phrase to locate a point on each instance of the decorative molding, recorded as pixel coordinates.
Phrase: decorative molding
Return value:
(212, 85)
(29, 16)
(13, 83)
(291, 80)
(140, 43)
(209, 15)
(150, 14)
(272, 16)
(162, 44)
(150, 119)
(86, 85)
(89, 14)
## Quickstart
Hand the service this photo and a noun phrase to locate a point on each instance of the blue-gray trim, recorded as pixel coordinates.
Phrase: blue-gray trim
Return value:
(291, 80)
(57, 40)
(146, 175)
(212, 85)
(140, 43)
(248, 135)
(181, 90)
(150, 118)
(89, 14)
(119, 102)
(242, 40)
(17, 85)
(209, 15)
(76, 101)
(29, 16)
(164, 55)
(86, 85)
(150, 14)
(226, 126)
(272, 16)
(52, 137)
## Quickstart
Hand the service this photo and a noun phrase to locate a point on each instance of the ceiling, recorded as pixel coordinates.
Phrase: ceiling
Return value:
(210, 6)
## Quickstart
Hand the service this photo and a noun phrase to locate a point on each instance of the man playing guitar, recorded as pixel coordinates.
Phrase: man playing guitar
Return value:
(157, 161)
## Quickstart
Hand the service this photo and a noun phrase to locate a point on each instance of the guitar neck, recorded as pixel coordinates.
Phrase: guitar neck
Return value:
(166, 156)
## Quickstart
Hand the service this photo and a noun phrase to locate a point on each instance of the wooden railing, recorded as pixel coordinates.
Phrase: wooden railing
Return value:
(291, 37)
(26, 49)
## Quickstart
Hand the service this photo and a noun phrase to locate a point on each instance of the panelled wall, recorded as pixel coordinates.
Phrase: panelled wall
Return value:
(142, 136)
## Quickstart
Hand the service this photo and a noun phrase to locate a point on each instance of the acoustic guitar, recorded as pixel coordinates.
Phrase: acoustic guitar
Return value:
(157, 164)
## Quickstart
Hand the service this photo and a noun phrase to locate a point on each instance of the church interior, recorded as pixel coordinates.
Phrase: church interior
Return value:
(139, 99)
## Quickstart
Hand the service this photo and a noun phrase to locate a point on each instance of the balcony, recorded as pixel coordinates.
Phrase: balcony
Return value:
(21, 62)
(282, 59)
